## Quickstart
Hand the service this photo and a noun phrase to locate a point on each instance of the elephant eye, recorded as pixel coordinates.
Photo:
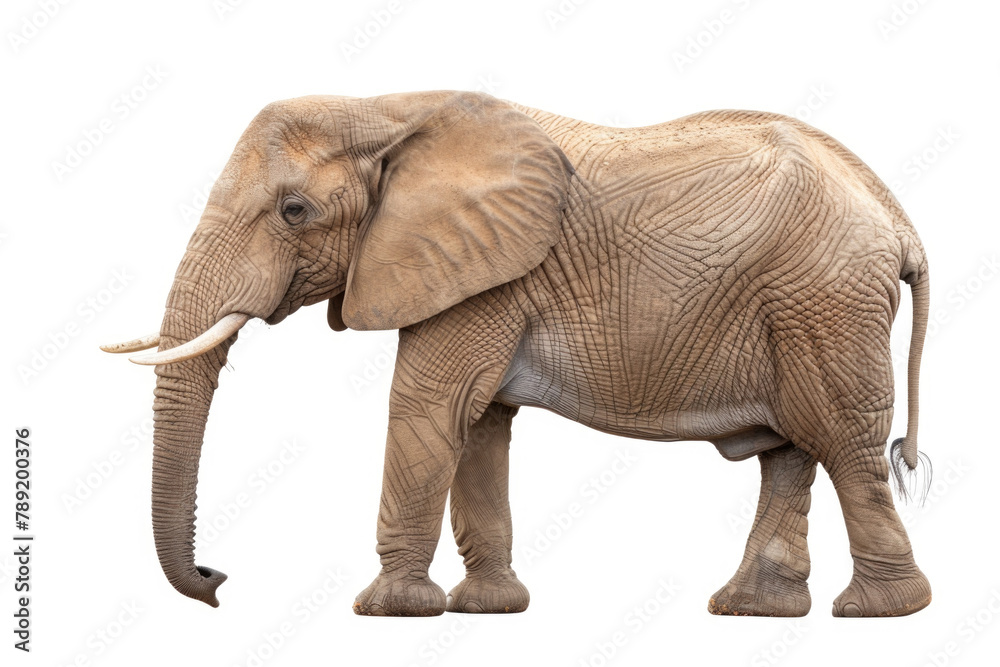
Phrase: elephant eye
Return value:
(293, 213)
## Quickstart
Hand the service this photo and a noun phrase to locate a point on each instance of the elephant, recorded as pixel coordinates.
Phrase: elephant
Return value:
(730, 277)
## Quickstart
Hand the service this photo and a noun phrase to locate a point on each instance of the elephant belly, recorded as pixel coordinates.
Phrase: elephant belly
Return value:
(545, 374)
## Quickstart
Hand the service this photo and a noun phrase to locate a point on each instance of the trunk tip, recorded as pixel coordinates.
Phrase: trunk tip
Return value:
(204, 587)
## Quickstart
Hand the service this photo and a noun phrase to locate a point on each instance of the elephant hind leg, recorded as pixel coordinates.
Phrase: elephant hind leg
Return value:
(771, 580)
(480, 516)
(835, 401)
(886, 580)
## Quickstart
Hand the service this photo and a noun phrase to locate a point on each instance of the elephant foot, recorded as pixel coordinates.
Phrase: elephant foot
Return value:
(500, 593)
(881, 589)
(400, 595)
(763, 588)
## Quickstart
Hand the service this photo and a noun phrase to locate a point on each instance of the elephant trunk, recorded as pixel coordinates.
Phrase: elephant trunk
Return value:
(183, 394)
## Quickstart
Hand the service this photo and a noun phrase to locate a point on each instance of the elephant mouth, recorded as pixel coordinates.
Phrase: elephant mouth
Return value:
(278, 315)
(287, 307)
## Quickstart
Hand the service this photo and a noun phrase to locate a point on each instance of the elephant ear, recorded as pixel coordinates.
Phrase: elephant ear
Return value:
(470, 197)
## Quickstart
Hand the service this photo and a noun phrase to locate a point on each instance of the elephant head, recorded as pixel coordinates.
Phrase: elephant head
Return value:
(391, 208)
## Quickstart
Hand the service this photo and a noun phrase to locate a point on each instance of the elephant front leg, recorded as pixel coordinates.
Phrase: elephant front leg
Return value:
(771, 580)
(480, 517)
(419, 467)
(447, 370)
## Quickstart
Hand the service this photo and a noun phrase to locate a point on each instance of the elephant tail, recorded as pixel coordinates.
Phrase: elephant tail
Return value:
(904, 450)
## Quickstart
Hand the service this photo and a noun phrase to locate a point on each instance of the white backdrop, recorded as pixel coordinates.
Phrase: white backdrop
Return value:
(118, 115)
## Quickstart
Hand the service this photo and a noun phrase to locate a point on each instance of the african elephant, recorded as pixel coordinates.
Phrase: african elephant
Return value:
(730, 276)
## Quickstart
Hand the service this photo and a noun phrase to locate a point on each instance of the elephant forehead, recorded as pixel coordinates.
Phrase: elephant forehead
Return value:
(300, 130)
(270, 167)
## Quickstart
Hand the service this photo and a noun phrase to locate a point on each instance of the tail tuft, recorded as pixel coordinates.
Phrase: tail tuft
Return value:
(907, 478)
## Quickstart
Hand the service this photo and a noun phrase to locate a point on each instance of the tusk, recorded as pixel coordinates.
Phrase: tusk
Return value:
(136, 345)
(219, 332)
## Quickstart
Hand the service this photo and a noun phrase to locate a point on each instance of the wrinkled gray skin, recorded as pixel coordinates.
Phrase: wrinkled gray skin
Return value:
(730, 276)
